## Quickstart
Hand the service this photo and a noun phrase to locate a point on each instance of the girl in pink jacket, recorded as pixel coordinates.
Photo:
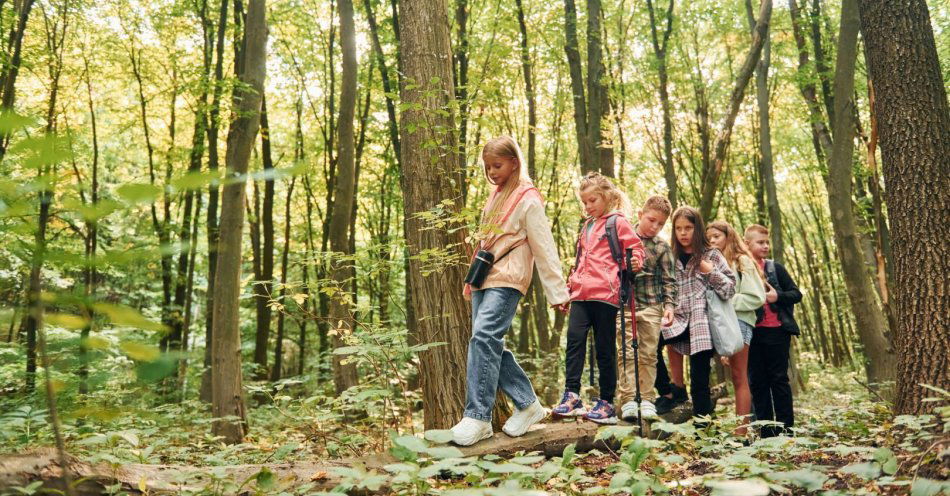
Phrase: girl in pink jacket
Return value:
(594, 287)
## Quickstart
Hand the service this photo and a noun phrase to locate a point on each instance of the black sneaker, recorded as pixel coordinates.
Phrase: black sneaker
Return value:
(664, 405)
(679, 395)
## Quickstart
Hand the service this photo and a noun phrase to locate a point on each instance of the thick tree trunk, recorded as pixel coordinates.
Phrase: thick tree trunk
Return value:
(872, 325)
(710, 183)
(914, 123)
(227, 394)
(341, 313)
(428, 158)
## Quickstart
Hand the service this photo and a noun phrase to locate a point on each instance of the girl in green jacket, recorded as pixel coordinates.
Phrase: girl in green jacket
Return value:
(749, 297)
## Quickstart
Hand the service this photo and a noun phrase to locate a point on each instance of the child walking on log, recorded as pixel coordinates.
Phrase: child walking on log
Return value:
(654, 290)
(698, 267)
(515, 235)
(594, 287)
(749, 298)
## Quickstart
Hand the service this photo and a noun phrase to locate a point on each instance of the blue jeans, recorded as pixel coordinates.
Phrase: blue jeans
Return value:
(490, 364)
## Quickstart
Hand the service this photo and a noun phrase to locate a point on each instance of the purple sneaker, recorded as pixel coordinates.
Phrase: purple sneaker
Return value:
(602, 413)
(571, 406)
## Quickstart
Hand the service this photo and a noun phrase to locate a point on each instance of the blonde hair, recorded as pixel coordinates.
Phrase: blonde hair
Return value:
(756, 228)
(735, 247)
(502, 147)
(613, 196)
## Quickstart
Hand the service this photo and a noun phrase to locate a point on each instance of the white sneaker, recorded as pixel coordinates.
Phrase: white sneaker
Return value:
(470, 431)
(648, 410)
(522, 420)
(628, 411)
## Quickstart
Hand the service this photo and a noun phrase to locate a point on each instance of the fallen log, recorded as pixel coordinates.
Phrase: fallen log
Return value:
(548, 439)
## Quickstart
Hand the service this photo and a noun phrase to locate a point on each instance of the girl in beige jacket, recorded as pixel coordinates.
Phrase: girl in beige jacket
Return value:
(515, 229)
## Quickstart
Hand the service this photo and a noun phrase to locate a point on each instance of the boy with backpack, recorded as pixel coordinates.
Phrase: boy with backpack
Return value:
(654, 290)
(772, 338)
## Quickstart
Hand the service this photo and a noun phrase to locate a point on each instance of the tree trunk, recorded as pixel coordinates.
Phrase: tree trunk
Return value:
(276, 372)
(766, 170)
(341, 317)
(659, 50)
(440, 311)
(914, 125)
(92, 238)
(12, 68)
(710, 183)
(212, 224)
(601, 151)
(879, 356)
(227, 394)
(264, 286)
(577, 87)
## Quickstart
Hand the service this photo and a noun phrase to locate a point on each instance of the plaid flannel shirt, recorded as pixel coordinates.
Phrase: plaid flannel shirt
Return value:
(656, 281)
(691, 307)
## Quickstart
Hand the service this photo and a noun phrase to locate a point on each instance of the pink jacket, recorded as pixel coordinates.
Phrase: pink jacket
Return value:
(595, 276)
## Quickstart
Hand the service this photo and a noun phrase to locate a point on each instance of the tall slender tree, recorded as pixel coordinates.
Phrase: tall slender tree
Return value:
(341, 317)
(227, 395)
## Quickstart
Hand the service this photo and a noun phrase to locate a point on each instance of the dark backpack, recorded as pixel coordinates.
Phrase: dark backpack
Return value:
(613, 241)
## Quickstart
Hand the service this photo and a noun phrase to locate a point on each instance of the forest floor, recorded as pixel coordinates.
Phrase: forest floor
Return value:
(846, 442)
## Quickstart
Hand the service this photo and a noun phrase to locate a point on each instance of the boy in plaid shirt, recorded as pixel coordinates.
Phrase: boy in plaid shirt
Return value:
(655, 290)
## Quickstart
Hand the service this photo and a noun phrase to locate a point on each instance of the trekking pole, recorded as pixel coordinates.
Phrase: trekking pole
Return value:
(635, 345)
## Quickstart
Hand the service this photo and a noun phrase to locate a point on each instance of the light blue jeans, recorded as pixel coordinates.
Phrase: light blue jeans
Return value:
(490, 365)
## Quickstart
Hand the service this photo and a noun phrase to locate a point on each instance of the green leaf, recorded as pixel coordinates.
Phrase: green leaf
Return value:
(865, 470)
(411, 443)
(444, 452)
(527, 460)
(127, 316)
(440, 436)
(265, 479)
(810, 480)
(11, 121)
(887, 459)
(928, 487)
(396, 468)
(139, 192)
(505, 468)
(284, 450)
(156, 370)
(568, 456)
(749, 487)
(67, 321)
(140, 352)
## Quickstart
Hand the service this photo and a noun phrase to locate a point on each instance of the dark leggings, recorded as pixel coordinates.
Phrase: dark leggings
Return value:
(768, 379)
(603, 318)
(699, 368)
